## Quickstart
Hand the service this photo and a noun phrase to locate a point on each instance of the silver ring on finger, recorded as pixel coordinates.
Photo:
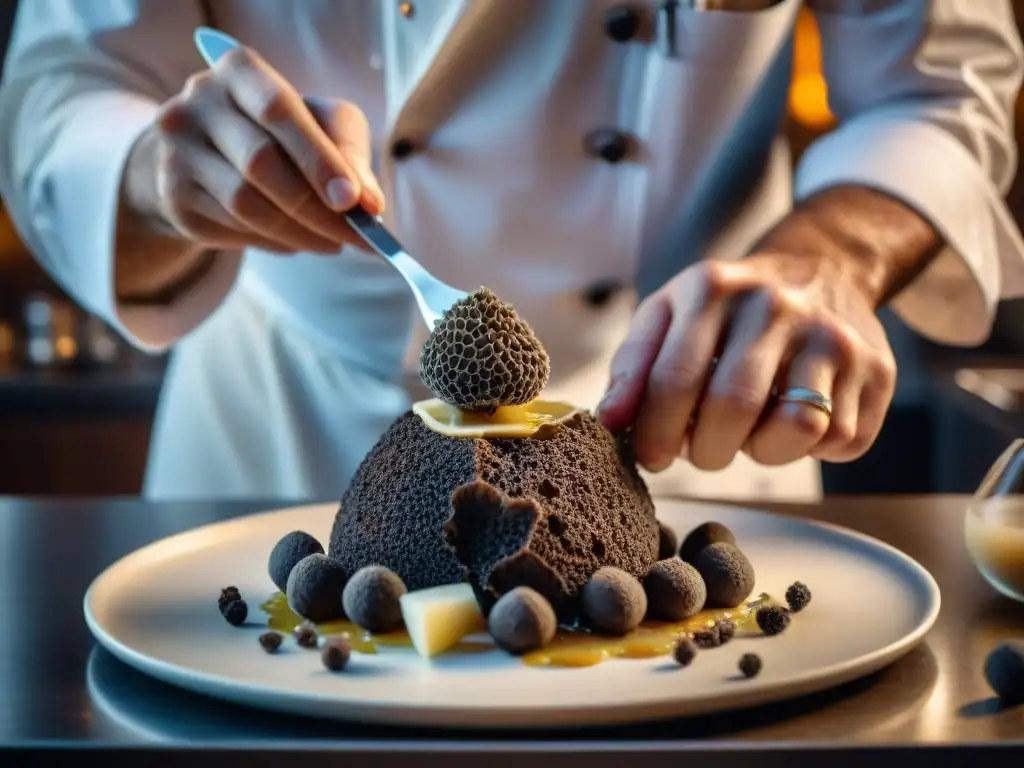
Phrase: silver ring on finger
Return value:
(808, 396)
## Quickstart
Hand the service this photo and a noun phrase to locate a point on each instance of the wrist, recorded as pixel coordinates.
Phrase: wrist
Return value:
(870, 238)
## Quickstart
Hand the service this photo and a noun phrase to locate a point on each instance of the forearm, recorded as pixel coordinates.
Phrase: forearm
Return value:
(868, 236)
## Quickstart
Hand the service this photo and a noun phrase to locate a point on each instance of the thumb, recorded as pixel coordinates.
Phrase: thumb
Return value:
(632, 364)
(349, 129)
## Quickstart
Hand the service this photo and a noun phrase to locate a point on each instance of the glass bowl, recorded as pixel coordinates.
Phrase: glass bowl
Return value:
(994, 524)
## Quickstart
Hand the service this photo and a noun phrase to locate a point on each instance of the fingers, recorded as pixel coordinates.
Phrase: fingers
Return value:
(863, 396)
(248, 208)
(678, 375)
(791, 430)
(347, 127)
(216, 228)
(242, 133)
(763, 332)
(262, 163)
(740, 386)
(632, 363)
(271, 102)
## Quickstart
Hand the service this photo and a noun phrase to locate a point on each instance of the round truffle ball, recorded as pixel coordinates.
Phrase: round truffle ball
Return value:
(614, 601)
(1004, 671)
(675, 590)
(286, 554)
(314, 588)
(371, 599)
(522, 621)
(727, 573)
(481, 355)
(704, 536)
(668, 542)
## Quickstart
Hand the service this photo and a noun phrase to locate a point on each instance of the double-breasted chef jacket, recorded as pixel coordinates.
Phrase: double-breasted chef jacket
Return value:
(572, 155)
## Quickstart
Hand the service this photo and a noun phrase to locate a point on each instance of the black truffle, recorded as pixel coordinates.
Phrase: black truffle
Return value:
(704, 536)
(522, 621)
(668, 542)
(684, 652)
(772, 619)
(335, 654)
(798, 596)
(750, 665)
(271, 641)
(236, 612)
(286, 554)
(675, 590)
(441, 510)
(371, 599)
(481, 355)
(305, 635)
(314, 588)
(614, 601)
(728, 574)
(1004, 671)
(227, 595)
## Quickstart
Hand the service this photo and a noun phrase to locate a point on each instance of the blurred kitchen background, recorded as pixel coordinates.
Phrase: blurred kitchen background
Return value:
(76, 404)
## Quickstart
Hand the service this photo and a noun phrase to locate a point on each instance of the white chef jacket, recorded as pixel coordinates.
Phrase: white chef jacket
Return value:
(286, 370)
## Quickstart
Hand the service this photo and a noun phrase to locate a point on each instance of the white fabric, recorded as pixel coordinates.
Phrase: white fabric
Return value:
(286, 370)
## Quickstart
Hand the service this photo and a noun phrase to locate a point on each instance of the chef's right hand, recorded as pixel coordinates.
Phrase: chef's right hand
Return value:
(239, 158)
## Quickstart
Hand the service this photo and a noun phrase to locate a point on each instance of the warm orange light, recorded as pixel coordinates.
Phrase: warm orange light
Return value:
(808, 94)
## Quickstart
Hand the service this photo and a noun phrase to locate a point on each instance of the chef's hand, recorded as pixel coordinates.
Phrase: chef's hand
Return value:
(239, 158)
(695, 376)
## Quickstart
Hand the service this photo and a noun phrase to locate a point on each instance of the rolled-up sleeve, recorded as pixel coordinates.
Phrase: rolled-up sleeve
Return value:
(924, 91)
(82, 81)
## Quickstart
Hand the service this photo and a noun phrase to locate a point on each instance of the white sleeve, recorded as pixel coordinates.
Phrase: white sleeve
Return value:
(82, 80)
(924, 91)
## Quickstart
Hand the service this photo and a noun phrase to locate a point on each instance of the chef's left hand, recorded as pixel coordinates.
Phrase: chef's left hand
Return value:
(696, 374)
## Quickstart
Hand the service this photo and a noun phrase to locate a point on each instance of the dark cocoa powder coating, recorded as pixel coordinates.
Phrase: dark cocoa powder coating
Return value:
(542, 513)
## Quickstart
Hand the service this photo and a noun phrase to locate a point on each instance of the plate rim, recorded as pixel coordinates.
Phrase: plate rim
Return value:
(226, 688)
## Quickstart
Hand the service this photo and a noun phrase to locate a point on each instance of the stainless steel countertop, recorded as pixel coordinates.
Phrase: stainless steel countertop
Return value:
(59, 692)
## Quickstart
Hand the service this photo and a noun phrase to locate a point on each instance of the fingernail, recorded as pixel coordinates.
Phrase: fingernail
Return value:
(659, 465)
(341, 193)
(608, 399)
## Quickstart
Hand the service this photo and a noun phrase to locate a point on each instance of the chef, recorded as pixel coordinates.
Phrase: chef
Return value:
(613, 170)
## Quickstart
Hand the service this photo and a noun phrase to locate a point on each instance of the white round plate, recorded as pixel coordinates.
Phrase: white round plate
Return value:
(156, 610)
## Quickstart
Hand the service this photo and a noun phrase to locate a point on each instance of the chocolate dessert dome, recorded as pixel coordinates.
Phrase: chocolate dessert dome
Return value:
(537, 495)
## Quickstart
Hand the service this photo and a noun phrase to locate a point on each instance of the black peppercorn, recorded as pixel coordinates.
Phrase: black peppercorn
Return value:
(750, 665)
(772, 619)
(707, 638)
(336, 654)
(726, 630)
(798, 596)
(305, 635)
(227, 595)
(236, 612)
(685, 652)
(271, 641)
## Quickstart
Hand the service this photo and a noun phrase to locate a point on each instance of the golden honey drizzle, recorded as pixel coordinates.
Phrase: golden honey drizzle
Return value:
(570, 648)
